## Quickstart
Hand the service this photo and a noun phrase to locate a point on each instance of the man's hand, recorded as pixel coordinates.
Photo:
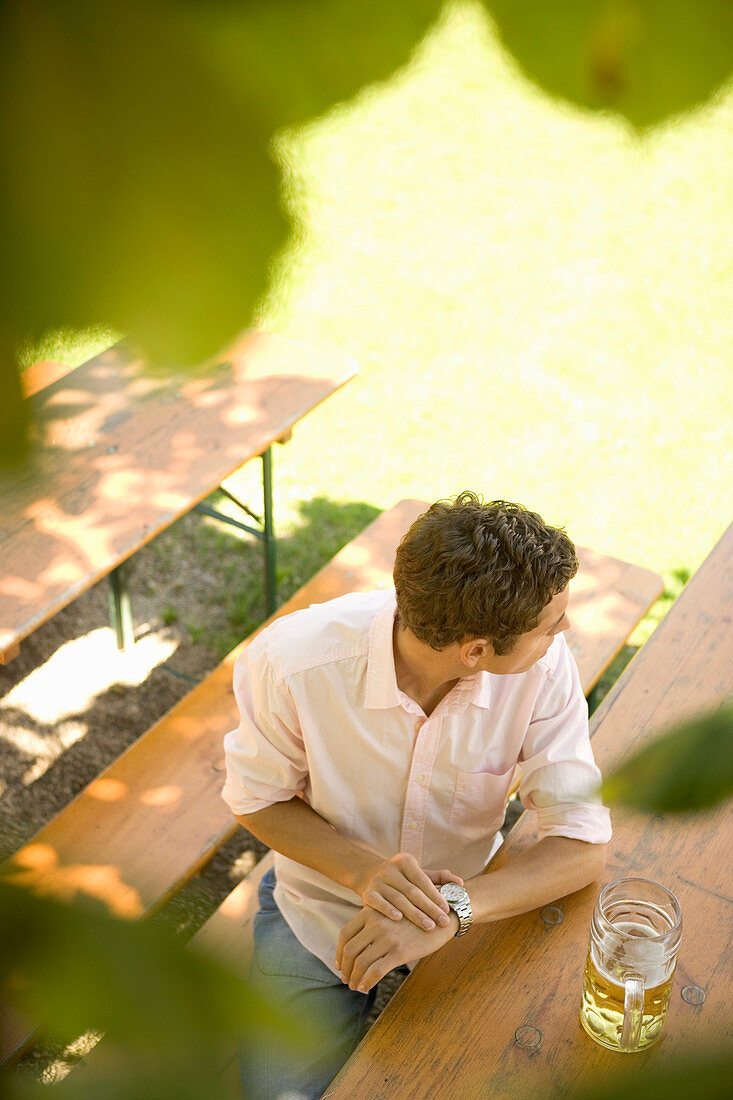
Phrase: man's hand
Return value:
(371, 945)
(398, 887)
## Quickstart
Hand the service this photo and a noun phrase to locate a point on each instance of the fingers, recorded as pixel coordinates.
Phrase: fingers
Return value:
(370, 970)
(394, 904)
(417, 898)
(399, 888)
(441, 877)
(421, 912)
(378, 901)
(371, 945)
(354, 926)
(365, 958)
(356, 956)
(414, 873)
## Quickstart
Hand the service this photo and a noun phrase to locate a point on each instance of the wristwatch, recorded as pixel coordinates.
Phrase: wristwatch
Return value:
(457, 898)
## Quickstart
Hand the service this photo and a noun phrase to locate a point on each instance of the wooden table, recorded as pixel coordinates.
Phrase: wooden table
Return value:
(121, 452)
(495, 1014)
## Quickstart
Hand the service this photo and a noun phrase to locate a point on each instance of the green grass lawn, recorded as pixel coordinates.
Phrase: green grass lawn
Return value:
(539, 301)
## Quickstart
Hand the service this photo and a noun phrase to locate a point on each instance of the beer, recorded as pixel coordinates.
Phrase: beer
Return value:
(635, 933)
(602, 1009)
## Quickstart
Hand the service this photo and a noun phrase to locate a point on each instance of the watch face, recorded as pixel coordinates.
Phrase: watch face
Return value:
(453, 892)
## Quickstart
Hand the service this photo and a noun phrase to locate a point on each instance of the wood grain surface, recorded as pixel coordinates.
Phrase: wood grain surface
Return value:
(121, 452)
(495, 1014)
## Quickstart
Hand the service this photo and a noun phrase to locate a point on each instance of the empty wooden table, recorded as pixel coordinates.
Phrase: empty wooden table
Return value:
(121, 452)
(495, 1014)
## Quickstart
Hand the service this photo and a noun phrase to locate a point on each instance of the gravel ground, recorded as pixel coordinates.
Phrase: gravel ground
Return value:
(70, 702)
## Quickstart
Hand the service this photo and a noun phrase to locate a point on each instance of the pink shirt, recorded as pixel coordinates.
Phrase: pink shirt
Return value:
(322, 715)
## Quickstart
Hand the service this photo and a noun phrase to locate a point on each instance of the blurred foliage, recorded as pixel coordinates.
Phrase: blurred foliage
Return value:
(140, 186)
(645, 59)
(706, 1078)
(177, 1015)
(140, 190)
(689, 768)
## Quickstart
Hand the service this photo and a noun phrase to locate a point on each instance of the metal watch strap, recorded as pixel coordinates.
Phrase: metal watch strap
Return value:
(462, 909)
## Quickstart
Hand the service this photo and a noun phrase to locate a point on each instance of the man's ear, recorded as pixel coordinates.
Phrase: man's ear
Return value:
(474, 650)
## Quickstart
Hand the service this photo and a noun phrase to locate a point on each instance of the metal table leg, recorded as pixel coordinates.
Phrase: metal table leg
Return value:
(268, 534)
(265, 532)
(120, 609)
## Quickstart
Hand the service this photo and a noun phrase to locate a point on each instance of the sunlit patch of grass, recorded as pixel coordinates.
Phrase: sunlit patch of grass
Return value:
(536, 296)
(70, 346)
(674, 581)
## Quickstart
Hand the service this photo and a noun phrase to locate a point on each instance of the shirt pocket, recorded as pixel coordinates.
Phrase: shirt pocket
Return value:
(479, 803)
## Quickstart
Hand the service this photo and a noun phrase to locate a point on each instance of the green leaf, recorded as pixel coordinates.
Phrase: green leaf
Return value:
(295, 59)
(171, 1011)
(687, 769)
(139, 190)
(139, 185)
(13, 410)
(645, 59)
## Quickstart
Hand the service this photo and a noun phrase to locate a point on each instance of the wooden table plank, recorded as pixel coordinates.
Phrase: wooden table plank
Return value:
(120, 453)
(496, 1013)
(39, 375)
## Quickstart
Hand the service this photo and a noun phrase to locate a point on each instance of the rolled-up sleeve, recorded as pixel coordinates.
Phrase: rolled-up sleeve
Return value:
(559, 776)
(265, 755)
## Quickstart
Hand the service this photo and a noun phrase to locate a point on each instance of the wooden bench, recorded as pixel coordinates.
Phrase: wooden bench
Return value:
(153, 818)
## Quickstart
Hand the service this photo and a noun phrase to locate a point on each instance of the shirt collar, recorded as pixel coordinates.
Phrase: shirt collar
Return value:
(381, 678)
(481, 696)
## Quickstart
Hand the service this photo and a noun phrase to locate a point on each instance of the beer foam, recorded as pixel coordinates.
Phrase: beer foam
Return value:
(629, 950)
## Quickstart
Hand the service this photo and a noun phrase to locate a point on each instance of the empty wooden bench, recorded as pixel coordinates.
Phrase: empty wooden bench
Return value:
(153, 818)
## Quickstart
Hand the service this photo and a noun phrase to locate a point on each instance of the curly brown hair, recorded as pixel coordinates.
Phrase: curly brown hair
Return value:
(474, 569)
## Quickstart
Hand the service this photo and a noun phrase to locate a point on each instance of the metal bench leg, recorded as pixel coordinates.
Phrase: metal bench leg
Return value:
(269, 534)
(120, 609)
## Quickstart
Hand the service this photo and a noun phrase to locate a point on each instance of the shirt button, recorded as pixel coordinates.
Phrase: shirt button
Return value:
(412, 825)
(419, 778)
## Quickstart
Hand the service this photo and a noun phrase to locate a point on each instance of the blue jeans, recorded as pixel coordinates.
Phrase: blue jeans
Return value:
(302, 988)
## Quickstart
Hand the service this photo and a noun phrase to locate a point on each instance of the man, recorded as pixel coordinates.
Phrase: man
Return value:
(378, 739)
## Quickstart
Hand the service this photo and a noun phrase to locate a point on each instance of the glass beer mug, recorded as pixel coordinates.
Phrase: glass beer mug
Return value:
(634, 936)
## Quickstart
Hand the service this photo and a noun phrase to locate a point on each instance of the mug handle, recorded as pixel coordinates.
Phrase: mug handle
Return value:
(633, 1012)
